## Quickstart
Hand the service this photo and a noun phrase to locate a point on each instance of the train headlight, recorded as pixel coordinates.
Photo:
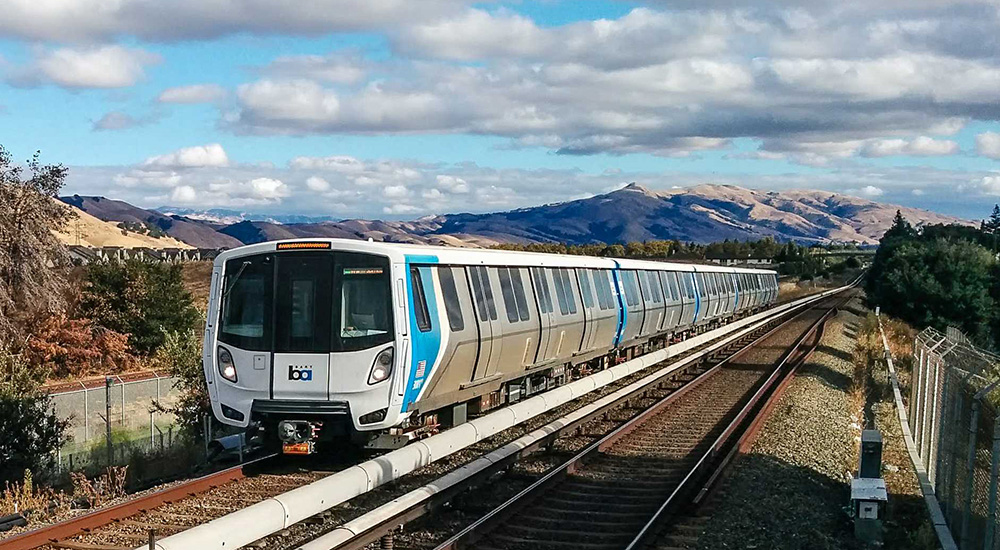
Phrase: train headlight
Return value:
(227, 368)
(382, 367)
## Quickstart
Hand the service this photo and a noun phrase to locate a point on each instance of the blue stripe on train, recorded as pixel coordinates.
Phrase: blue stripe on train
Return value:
(425, 346)
(622, 310)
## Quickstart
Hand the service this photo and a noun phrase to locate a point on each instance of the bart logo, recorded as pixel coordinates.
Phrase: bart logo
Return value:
(300, 372)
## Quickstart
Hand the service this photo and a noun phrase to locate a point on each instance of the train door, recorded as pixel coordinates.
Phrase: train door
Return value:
(520, 332)
(303, 288)
(634, 310)
(704, 303)
(672, 297)
(543, 297)
(490, 332)
(590, 308)
(458, 362)
(606, 313)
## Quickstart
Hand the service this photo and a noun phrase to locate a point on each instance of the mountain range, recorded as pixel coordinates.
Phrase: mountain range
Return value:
(702, 214)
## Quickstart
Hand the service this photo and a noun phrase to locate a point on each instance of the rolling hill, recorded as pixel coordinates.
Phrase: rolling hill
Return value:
(633, 213)
(86, 230)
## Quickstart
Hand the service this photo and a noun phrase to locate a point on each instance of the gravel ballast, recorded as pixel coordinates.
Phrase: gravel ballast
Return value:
(792, 490)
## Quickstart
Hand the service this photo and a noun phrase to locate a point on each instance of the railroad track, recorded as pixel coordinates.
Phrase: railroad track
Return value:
(172, 510)
(619, 491)
(128, 525)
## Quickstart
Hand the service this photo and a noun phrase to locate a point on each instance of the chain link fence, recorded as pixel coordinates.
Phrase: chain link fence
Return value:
(131, 408)
(952, 411)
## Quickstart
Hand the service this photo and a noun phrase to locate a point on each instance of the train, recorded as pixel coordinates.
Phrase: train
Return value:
(309, 342)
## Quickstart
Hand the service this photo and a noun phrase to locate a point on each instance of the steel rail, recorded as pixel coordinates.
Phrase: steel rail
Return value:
(651, 526)
(469, 535)
(52, 534)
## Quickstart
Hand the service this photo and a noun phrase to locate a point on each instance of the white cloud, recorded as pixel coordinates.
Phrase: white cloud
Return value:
(988, 145)
(919, 146)
(87, 67)
(395, 191)
(184, 194)
(191, 157)
(90, 20)
(335, 68)
(195, 93)
(316, 183)
(987, 185)
(341, 164)
(452, 183)
(116, 120)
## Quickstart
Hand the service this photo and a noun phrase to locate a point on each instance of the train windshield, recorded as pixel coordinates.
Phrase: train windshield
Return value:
(306, 302)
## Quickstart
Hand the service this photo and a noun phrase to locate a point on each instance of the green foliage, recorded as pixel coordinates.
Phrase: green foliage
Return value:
(30, 432)
(763, 248)
(180, 355)
(145, 300)
(941, 276)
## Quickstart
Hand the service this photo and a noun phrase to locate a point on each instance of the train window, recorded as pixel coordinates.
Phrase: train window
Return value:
(583, 275)
(477, 291)
(560, 291)
(488, 291)
(364, 301)
(419, 301)
(542, 290)
(452, 305)
(603, 288)
(631, 290)
(246, 303)
(674, 291)
(303, 298)
(508, 294)
(568, 287)
(652, 281)
(519, 299)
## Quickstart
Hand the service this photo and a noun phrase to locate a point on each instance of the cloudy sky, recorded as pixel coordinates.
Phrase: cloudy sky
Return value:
(402, 108)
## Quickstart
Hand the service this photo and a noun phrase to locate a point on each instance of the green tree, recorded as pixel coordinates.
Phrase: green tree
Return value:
(145, 300)
(30, 431)
(900, 229)
(29, 213)
(180, 355)
(992, 224)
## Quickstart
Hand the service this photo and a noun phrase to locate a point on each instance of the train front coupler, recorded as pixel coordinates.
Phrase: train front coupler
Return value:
(298, 437)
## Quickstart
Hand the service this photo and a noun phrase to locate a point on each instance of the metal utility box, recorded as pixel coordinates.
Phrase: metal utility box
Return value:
(871, 454)
(868, 499)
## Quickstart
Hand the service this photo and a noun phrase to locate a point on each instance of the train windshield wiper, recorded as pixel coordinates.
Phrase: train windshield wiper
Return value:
(236, 278)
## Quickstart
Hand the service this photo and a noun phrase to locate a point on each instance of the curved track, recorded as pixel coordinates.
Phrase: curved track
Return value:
(618, 491)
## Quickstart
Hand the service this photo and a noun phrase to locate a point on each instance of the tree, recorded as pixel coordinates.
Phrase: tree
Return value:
(992, 224)
(29, 212)
(30, 431)
(900, 229)
(180, 355)
(145, 300)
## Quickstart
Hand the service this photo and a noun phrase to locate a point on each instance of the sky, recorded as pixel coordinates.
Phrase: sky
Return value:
(398, 109)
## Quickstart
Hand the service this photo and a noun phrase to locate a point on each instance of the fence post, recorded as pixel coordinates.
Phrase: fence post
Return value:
(151, 424)
(991, 520)
(86, 414)
(970, 473)
(108, 381)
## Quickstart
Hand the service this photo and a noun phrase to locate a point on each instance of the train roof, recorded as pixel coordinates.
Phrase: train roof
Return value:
(478, 256)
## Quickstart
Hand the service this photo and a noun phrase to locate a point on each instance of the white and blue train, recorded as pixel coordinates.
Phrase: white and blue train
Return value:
(310, 340)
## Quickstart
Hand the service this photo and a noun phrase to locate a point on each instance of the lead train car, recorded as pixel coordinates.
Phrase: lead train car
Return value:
(310, 340)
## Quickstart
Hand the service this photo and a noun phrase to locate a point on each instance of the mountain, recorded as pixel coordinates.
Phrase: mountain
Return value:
(225, 216)
(633, 213)
(86, 230)
(701, 214)
(196, 233)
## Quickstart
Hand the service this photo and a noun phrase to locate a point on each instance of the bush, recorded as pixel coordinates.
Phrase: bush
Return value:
(76, 347)
(142, 299)
(30, 432)
(180, 355)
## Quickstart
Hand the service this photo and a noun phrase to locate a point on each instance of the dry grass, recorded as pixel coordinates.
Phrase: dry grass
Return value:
(33, 502)
(107, 486)
(198, 281)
